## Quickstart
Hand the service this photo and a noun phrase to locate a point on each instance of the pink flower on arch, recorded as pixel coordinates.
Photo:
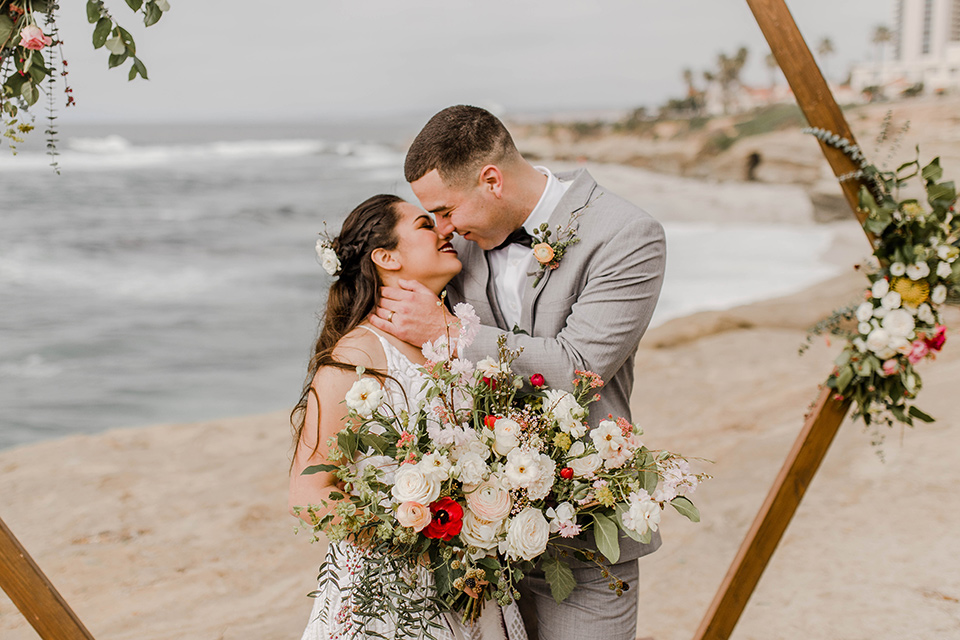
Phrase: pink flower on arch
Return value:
(918, 352)
(31, 37)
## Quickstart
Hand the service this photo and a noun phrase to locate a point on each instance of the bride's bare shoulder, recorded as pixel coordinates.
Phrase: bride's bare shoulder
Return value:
(359, 348)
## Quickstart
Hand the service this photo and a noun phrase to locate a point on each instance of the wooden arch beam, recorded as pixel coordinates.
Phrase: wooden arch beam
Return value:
(821, 110)
(34, 595)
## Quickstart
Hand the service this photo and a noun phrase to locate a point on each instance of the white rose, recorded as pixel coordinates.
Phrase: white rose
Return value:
(898, 323)
(527, 535)
(901, 345)
(865, 312)
(608, 439)
(944, 270)
(364, 396)
(506, 433)
(328, 258)
(540, 488)
(880, 288)
(585, 466)
(435, 466)
(489, 501)
(918, 270)
(860, 344)
(411, 485)
(478, 532)
(522, 469)
(925, 314)
(878, 340)
(891, 301)
(567, 412)
(865, 327)
(939, 294)
(880, 312)
(471, 469)
(898, 269)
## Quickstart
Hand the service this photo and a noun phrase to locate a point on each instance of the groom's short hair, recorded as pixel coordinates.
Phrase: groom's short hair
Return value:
(457, 142)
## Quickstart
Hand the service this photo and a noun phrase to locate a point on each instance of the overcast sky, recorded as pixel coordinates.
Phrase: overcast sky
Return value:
(326, 59)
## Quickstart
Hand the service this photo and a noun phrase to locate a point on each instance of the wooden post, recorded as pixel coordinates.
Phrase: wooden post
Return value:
(821, 110)
(34, 595)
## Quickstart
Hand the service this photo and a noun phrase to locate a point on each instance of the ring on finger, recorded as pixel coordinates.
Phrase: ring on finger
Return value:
(390, 317)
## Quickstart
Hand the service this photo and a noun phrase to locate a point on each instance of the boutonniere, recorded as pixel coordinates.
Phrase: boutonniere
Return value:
(549, 252)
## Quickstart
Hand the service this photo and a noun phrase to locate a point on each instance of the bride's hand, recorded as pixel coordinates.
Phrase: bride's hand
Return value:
(411, 312)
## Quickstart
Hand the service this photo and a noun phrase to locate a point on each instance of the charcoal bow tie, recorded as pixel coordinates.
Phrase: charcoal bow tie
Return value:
(520, 236)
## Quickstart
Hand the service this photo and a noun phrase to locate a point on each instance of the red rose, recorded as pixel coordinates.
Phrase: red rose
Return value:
(566, 473)
(490, 421)
(936, 342)
(537, 380)
(447, 519)
(490, 382)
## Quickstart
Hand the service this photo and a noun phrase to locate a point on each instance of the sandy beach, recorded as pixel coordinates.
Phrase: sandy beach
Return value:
(181, 531)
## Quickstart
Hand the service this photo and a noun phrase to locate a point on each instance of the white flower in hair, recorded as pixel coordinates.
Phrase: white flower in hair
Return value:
(328, 257)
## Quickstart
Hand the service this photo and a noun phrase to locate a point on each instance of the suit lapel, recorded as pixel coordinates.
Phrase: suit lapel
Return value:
(576, 198)
(492, 294)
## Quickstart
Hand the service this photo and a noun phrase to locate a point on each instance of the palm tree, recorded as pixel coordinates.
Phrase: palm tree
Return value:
(825, 50)
(772, 66)
(727, 74)
(881, 36)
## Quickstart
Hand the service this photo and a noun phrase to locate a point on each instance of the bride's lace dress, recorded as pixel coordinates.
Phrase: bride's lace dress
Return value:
(331, 616)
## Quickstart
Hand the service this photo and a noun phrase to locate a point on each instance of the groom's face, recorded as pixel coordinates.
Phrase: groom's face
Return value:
(472, 211)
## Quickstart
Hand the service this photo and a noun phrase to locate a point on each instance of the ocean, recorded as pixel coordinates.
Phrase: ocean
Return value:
(168, 273)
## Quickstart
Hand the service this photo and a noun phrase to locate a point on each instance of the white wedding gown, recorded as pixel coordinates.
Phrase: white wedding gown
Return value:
(331, 619)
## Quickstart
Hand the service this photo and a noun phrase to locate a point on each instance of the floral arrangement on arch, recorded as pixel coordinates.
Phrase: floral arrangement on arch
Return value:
(898, 323)
(31, 57)
(490, 477)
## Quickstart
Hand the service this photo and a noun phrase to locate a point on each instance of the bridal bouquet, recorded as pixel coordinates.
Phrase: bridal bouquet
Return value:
(491, 476)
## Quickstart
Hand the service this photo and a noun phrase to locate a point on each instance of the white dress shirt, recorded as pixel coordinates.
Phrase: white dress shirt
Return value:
(511, 264)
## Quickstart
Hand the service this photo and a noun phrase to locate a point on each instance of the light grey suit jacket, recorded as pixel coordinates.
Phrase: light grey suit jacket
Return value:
(589, 313)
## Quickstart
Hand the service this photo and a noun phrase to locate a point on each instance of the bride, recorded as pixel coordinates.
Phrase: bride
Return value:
(383, 240)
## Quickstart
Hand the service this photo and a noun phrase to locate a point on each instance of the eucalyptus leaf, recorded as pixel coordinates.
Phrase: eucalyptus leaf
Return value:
(93, 11)
(607, 537)
(6, 29)
(30, 93)
(932, 172)
(920, 415)
(319, 468)
(686, 508)
(135, 4)
(100, 33)
(559, 576)
(844, 378)
(152, 14)
(347, 442)
(649, 480)
(376, 442)
(115, 60)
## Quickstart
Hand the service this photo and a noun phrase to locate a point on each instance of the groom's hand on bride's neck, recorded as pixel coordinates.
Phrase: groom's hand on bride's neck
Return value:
(411, 312)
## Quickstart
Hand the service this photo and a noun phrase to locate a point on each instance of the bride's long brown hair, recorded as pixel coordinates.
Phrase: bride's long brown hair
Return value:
(356, 291)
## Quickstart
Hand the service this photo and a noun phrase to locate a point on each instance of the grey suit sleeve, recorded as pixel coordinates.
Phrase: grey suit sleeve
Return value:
(608, 317)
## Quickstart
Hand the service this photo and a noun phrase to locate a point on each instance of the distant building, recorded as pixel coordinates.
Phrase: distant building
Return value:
(925, 49)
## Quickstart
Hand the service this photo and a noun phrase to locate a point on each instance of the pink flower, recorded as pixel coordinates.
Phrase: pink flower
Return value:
(405, 438)
(890, 367)
(414, 515)
(569, 529)
(31, 37)
(936, 342)
(918, 352)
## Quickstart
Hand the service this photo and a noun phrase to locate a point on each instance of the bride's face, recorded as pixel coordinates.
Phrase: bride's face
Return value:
(422, 254)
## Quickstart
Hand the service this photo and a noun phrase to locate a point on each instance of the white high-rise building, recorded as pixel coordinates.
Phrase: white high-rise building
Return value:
(925, 49)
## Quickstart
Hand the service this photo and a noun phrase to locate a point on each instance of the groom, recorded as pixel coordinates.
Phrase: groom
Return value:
(588, 312)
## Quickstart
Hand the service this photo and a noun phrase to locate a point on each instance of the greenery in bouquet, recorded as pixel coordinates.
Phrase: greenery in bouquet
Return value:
(31, 57)
(491, 476)
(898, 324)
